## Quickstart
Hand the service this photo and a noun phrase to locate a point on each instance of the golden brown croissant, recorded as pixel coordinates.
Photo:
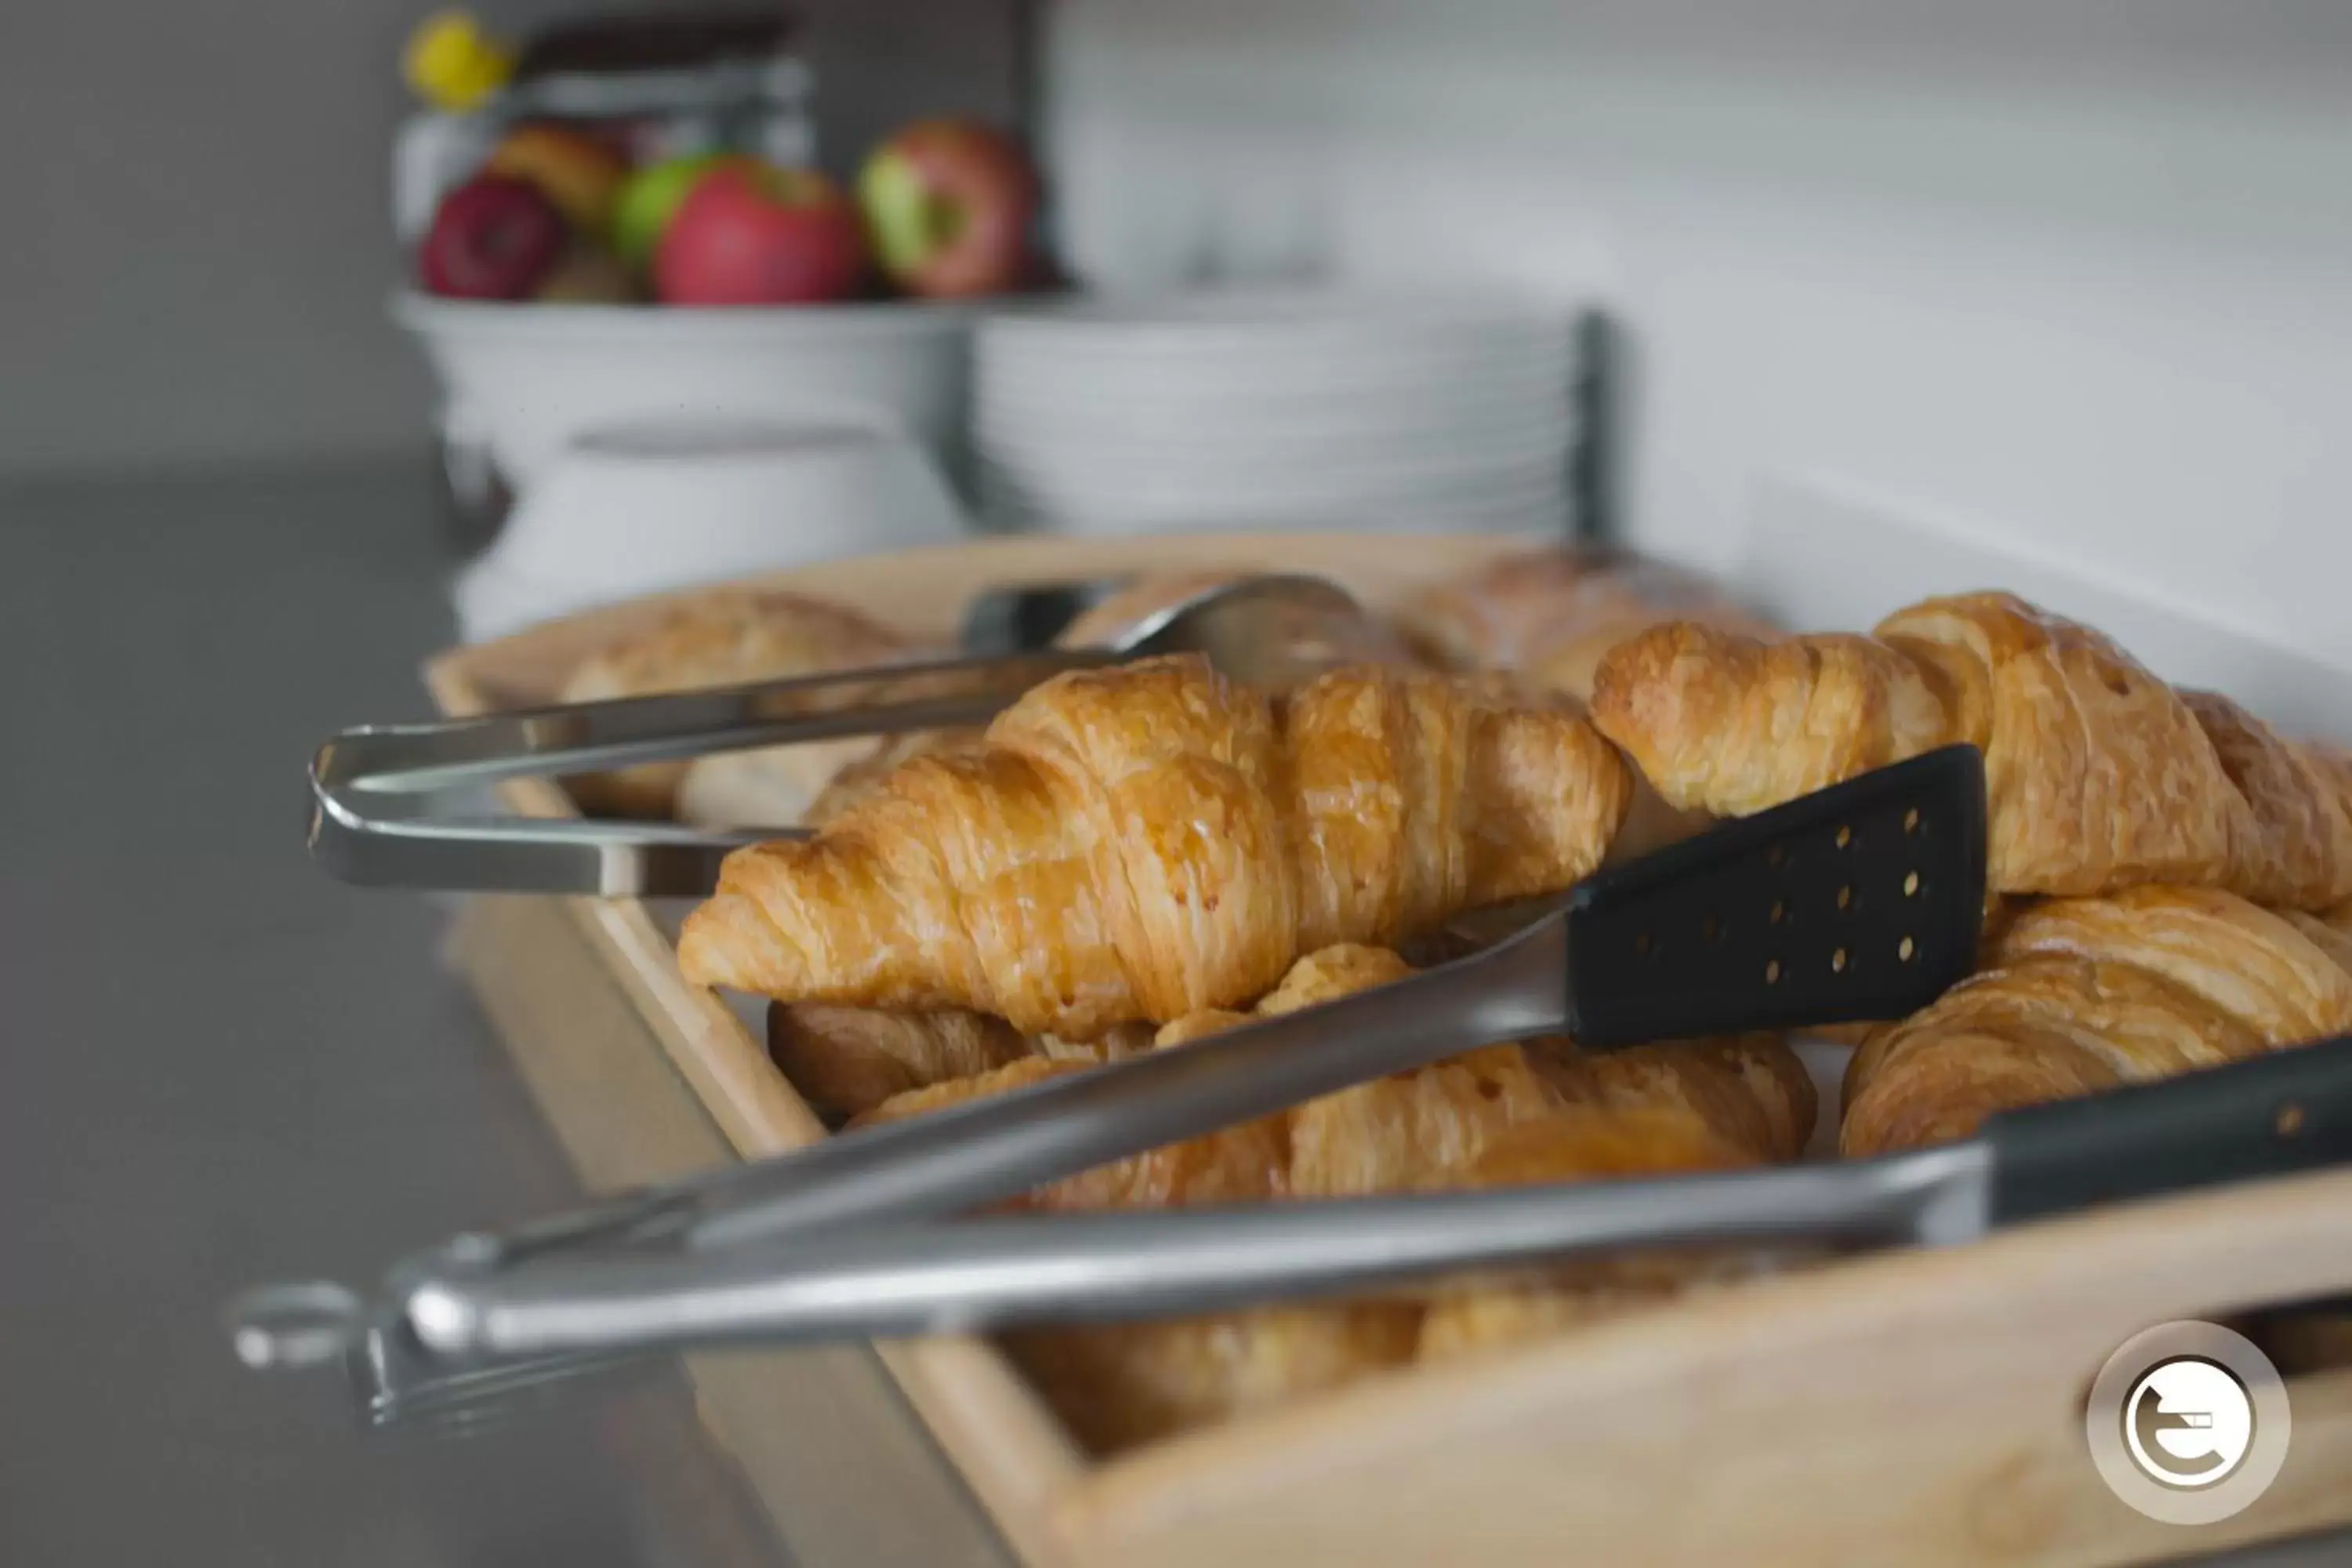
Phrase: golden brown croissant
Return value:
(1149, 840)
(2098, 775)
(720, 638)
(1545, 1112)
(1584, 1145)
(1553, 613)
(846, 1061)
(1750, 1093)
(2085, 993)
(1126, 1384)
(864, 775)
(1130, 1382)
(1234, 1164)
(1311, 640)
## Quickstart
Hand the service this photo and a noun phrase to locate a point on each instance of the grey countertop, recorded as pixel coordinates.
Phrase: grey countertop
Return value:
(219, 1068)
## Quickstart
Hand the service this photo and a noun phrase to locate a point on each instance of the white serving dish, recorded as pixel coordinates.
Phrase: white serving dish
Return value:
(656, 504)
(523, 379)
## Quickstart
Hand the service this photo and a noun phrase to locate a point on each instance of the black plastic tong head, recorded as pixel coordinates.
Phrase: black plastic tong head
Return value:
(1859, 902)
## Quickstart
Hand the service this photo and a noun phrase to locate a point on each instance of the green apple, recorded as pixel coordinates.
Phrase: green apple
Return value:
(651, 195)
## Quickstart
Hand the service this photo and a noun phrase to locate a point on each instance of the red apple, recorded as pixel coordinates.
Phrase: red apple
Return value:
(758, 235)
(493, 238)
(949, 206)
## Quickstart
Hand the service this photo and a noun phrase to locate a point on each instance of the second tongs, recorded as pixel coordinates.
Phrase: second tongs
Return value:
(370, 787)
(1862, 901)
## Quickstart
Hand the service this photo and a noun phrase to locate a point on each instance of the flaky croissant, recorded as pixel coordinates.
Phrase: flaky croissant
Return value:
(1585, 1145)
(2081, 995)
(1749, 1093)
(1144, 841)
(2098, 775)
(723, 638)
(1124, 1384)
(847, 1061)
(1553, 613)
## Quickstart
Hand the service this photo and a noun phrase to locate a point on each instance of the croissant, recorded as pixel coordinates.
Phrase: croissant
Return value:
(1145, 841)
(1124, 1384)
(2081, 995)
(812, 782)
(721, 637)
(1583, 1146)
(1121, 1385)
(1310, 640)
(847, 1061)
(1750, 1094)
(1554, 612)
(2098, 775)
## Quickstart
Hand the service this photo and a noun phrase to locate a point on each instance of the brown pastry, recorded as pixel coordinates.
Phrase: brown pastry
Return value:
(2085, 993)
(2293, 846)
(1127, 1384)
(1146, 841)
(720, 638)
(1508, 1114)
(846, 1061)
(864, 775)
(2098, 775)
(1552, 613)
(1311, 641)
(1584, 1145)
(1234, 1164)
(1120, 1385)
(1749, 1093)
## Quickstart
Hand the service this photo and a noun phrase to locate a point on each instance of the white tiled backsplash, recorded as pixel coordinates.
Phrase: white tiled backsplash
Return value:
(2071, 281)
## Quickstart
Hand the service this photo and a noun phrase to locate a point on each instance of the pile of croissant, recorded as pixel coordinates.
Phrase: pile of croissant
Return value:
(1129, 858)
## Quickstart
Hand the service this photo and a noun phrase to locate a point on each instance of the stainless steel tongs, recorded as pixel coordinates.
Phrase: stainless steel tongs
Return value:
(1862, 901)
(2263, 1117)
(370, 787)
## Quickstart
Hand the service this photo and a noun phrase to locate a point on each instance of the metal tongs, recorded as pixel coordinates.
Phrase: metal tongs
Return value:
(366, 783)
(1862, 901)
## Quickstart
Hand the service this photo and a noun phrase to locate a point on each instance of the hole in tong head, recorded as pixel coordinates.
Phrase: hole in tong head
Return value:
(1911, 885)
(1844, 838)
(1837, 962)
(1906, 949)
(1911, 820)
(1773, 972)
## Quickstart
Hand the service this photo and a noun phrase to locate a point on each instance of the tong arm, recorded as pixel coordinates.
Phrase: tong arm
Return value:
(963, 1276)
(362, 842)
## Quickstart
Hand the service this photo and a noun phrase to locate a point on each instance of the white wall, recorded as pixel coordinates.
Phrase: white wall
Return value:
(2073, 278)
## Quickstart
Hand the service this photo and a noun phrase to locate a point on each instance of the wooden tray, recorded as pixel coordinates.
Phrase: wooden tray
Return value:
(1913, 1409)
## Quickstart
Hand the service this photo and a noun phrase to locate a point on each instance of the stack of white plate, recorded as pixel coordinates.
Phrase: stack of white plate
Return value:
(1292, 409)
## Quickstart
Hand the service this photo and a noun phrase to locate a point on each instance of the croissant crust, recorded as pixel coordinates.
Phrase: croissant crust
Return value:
(1149, 840)
(2081, 994)
(2098, 775)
